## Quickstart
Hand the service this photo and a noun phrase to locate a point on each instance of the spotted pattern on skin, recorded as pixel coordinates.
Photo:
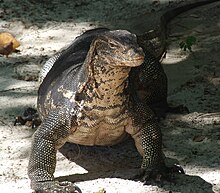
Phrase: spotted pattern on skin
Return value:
(90, 103)
(67, 93)
(103, 117)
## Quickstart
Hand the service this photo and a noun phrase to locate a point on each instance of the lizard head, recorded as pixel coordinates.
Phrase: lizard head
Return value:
(119, 48)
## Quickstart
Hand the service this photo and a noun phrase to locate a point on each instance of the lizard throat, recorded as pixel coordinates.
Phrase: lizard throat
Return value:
(108, 78)
(106, 84)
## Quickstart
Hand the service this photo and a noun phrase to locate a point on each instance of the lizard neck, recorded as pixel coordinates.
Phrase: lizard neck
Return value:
(106, 84)
(109, 78)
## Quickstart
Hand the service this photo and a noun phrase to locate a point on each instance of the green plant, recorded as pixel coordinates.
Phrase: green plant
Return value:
(188, 43)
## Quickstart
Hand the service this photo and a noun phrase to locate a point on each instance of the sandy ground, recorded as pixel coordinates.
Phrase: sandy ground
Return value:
(193, 140)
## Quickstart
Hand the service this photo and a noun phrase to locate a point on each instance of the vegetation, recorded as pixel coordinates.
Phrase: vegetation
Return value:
(188, 43)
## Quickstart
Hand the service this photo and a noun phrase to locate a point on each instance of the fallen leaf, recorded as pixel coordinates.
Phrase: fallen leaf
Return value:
(101, 191)
(198, 138)
(8, 43)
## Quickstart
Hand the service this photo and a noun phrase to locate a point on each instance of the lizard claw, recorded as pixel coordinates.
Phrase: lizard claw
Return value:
(57, 187)
(161, 174)
(176, 169)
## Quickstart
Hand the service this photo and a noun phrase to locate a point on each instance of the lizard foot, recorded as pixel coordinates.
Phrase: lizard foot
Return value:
(56, 187)
(30, 118)
(160, 174)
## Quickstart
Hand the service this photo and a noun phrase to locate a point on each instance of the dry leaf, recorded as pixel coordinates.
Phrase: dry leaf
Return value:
(198, 138)
(8, 43)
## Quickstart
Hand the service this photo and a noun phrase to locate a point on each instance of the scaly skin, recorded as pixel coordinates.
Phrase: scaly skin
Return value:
(92, 96)
(90, 104)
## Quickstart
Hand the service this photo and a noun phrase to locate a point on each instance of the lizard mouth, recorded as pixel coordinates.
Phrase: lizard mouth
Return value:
(140, 58)
(136, 61)
(133, 62)
(137, 58)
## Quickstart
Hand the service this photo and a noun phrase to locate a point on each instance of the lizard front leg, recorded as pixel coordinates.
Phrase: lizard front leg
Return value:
(148, 140)
(48, 138)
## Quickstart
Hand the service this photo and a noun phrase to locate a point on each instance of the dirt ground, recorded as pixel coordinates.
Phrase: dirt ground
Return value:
(192, 140)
